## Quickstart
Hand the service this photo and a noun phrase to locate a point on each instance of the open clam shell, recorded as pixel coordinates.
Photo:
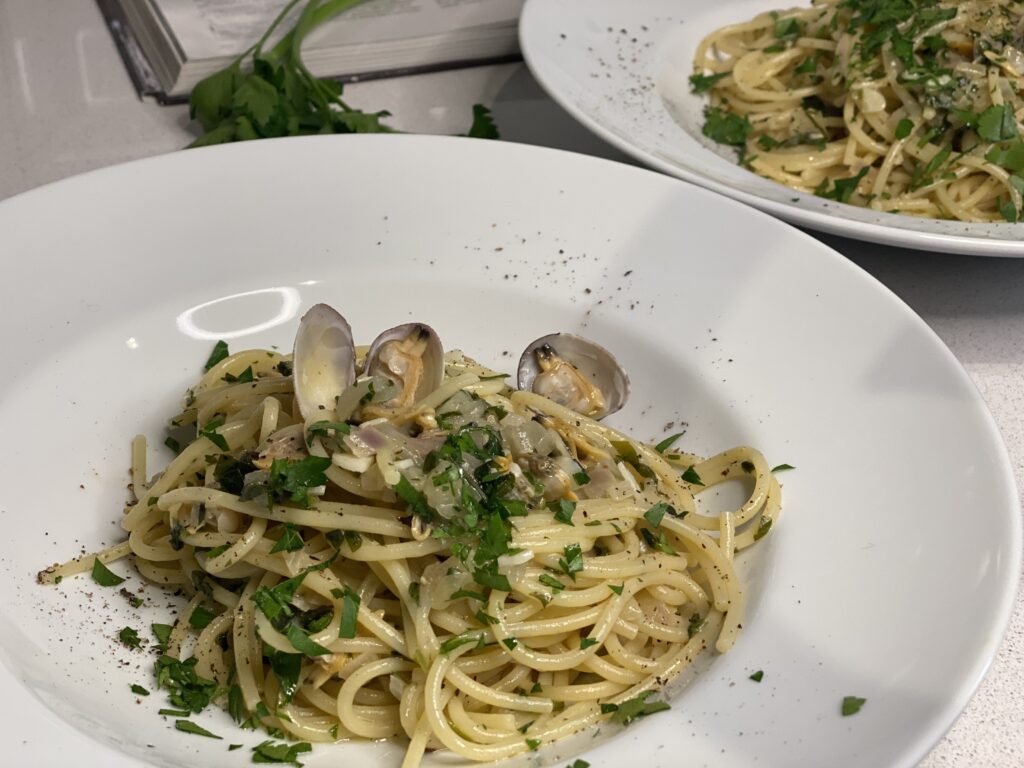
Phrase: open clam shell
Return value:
(574, 372)
(410, 355)
(324, 363)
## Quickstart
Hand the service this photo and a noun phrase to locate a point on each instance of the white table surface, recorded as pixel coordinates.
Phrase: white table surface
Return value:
(67, 106)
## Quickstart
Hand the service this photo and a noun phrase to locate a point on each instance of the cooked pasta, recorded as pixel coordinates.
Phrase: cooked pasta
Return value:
(462, 566)
(910, 107)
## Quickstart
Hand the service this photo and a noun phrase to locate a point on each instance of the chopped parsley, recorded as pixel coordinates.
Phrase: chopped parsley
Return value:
(842, 189)
(695, 625)
(103, 575)
(162, 633)
(691, 476)
(563, 510)
(667, 443)
(186, 689)
(725, 127)
(655, 514)
(290, 540)
(757, 676)
(325, 429)
(782, 467)
(189, 727)
(219, 352)
(287, 754)
(572, 562)
(211, 434)
(851, 705)
(201, 617)
(703, 83)
(139, 690)
(129, 637)
(997, 123)
(245, 377)
(349, 614)
(634, 708)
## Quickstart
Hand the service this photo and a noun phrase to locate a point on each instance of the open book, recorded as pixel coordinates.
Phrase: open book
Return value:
(170, 45)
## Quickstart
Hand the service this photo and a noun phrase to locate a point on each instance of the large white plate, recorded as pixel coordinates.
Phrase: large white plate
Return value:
(890, 575)
(622, 68)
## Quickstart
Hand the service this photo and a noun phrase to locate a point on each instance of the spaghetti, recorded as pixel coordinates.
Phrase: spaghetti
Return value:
(481, 570)
(910, 107)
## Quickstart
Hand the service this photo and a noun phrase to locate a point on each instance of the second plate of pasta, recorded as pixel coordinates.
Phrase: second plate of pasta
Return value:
(895, 130)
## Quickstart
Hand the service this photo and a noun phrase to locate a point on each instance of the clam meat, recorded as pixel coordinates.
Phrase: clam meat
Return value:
(411, 357)
(575, 373)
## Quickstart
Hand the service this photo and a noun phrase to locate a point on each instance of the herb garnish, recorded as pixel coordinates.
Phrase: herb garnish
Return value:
(269, 752)
(631, 709)
(189, 727)
(103, 575)
(129, 637)
(271, 93)
(220, 351)
(851, 705)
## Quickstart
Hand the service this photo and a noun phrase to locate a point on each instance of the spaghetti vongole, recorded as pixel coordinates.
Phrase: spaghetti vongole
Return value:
(908, 106)
(421, 552)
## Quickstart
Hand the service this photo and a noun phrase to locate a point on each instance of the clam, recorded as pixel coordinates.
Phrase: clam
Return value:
(410, 356)
(324, 363)
(574, 372)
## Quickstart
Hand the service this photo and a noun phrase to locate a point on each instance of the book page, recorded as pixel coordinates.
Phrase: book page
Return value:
(212, 28)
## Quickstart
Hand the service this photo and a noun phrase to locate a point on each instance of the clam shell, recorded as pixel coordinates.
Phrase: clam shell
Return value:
(324, 363)
(593, 362)
(432, 372)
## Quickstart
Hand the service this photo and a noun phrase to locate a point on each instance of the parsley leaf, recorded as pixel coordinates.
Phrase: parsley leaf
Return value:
(220, 351)
(725, 127)
(269, 752)
(691, 476)
(189, 727)
(572, 563)
(210, 433)
(139, 690)
(129, 637)
(291, 480)
(703, 83)
(186, 689)
(201, 618)
(303, 644)
(665, 444)
(103, 575)
(349, 614)
(655, 514)
(758, 676)
(997, 123)
(245, 377)
(851, 705)
(290, 540)
(634, 708)
(563, 510)
(842, 189)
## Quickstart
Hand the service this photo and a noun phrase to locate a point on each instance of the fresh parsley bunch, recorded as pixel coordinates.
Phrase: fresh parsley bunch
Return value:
(270, 93)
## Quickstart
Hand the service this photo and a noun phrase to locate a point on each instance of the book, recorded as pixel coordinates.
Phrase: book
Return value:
(170, 45)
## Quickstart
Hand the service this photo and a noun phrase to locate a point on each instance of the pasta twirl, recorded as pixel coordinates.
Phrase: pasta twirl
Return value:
(478, 569)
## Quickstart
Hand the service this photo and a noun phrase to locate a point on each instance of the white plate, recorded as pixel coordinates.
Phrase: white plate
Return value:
(890, 575)
(622, 68)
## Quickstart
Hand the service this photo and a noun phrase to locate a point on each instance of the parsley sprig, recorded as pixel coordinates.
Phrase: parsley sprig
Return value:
(269, 92)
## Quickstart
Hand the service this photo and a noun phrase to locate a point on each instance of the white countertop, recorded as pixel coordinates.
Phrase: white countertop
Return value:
(67, 106)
